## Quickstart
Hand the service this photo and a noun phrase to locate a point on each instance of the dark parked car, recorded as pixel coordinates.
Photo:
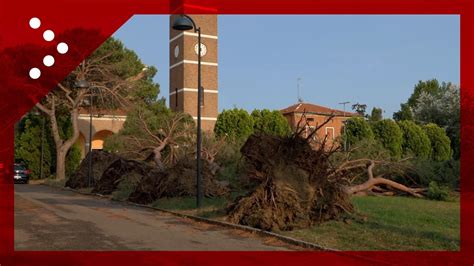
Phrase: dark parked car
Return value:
(21, 174)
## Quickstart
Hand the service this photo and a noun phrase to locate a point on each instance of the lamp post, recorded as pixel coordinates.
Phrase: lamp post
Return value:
(345, 136)
(83, 84)
(182, 23)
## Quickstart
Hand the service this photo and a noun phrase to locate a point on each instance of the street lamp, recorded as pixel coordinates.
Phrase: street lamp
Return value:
(84, 84)
(183, 23)
(345, 136)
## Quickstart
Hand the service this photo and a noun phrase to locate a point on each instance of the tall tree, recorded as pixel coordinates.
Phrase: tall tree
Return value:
(116, 77)
(405, 113)
(28, 146)
(390, 135)
(360, 108)
(415, 140)
(440, 143)
(432, 87)
(376, 114)
(434, 102)
(357, 129)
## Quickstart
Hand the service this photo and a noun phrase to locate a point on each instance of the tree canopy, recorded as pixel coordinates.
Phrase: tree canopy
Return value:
(390, 135)
(376, 114)
(440, 143)
(357, 129)
(270, 122)
(116, 79)
(438, 103)
(415, 140)
(235, 124)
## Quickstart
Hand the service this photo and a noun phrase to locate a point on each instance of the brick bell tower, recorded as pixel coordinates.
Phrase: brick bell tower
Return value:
(183, 89)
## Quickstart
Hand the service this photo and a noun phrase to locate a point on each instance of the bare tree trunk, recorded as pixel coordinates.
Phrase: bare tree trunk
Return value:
(373, 183)
(60, 163)
(62, 146)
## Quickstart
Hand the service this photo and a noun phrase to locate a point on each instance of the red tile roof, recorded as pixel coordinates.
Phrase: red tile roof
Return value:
(314, 109)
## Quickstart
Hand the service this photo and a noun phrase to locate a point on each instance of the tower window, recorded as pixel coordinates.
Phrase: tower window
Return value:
(176, 96)
(202, 97)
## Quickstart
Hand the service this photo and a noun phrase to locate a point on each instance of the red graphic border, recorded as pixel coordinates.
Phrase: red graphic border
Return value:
(20, 48)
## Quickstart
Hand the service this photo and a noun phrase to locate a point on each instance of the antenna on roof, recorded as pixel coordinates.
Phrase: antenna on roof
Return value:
(300, 100)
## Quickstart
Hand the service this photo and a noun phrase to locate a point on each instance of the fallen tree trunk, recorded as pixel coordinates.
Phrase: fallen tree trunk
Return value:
(374, 183)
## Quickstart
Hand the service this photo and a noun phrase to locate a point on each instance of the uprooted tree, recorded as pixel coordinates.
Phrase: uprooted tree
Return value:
(154, 154)
(299, 183)
(153, 133)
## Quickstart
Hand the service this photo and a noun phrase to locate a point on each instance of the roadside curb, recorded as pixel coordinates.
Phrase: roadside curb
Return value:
(286, 239)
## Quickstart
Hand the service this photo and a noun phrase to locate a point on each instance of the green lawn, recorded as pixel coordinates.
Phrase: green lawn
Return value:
(391, 223)
(381, 223)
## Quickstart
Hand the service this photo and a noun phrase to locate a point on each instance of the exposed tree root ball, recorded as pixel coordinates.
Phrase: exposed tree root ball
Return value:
(101, 160)
(121, 170)
(176, 181)
(294, 191)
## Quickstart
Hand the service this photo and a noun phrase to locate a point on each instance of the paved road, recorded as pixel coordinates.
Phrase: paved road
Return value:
(52, 219)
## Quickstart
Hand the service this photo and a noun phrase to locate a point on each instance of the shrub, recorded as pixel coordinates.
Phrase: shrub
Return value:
(415, 140)
(446, 173)
(390, 135)
(235, 124)
(440, 143)
(73, 159)
(357, 129)
(270, 122)
(436, 192)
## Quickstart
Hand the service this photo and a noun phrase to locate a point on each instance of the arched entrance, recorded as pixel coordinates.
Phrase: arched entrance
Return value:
(98, 139)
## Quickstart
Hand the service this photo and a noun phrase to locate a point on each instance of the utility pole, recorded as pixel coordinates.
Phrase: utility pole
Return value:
(345, 136)
(300, 100)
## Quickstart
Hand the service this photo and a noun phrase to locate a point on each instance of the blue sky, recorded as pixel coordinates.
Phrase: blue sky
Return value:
(375, 60)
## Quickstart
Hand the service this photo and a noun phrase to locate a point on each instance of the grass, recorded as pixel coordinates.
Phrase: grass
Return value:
(211, 207)
(53, 182)
(391, 223)
(381, 223)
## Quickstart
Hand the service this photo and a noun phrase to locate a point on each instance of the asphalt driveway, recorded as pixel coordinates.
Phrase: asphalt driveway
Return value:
(53, 219)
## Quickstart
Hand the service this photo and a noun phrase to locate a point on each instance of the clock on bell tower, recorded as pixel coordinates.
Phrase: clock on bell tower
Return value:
(184, 70)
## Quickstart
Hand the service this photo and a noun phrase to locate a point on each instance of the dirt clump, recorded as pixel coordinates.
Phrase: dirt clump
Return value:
(177, 181)
(119, 171)
(293, 189)
(101, 160)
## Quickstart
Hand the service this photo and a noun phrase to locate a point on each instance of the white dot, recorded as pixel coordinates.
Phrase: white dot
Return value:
(48, 60)
(48, 35)
(62, 48)
(35, 23)
(35, 73)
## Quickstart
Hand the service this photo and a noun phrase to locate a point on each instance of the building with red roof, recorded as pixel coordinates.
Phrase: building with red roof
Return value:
(310, 116)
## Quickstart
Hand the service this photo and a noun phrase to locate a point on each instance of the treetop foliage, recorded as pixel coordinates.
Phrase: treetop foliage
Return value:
(440, 143)
(235, 124)
(390, 135)
(357, 129)
(415, 140)
(270, 122)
